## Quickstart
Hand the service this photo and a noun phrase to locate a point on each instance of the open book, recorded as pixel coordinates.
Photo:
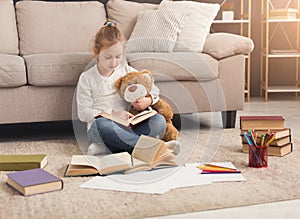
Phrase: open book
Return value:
(148, 153)
(133, 120)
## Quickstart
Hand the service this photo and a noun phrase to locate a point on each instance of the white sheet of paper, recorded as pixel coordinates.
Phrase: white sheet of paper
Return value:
(221, 164)
(106, 183)
(158, 181)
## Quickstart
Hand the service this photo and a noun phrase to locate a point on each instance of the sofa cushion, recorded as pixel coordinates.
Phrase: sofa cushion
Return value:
(182, 66)
(57, 69)
(125, 13)
(8, 28)
(157, 30)
(52, 27)
(193, 35)
(12, 71)
(222, 45)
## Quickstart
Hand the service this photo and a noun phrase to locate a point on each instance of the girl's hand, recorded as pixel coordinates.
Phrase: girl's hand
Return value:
(142, 103)
(122, 114)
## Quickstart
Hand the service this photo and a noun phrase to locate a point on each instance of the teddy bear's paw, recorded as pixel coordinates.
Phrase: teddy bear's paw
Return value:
(175, 146)
(95, 149)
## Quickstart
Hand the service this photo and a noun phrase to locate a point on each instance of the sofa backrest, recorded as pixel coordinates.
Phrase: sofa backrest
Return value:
(8, 28)
(57, 27)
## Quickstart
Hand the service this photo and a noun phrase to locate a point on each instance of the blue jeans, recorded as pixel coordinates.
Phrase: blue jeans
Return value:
(118, 138)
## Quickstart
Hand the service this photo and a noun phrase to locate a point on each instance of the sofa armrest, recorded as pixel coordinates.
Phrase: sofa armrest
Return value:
(222, 45)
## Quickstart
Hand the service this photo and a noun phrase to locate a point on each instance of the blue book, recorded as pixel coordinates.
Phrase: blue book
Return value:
(34, 181)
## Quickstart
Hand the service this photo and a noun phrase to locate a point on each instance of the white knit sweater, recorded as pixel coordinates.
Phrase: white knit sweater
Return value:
(96, 93)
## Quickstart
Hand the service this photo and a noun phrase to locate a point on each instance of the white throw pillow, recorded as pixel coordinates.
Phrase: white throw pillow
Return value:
(193, 35)
(125, 13)
(157, 30)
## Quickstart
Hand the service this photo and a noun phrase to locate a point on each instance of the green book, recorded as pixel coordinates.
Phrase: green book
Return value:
(22, 162)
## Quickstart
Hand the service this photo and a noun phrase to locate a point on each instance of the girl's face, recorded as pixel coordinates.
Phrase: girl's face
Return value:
(110, 58)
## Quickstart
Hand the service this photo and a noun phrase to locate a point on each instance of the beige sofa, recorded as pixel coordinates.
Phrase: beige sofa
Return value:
(45, 46)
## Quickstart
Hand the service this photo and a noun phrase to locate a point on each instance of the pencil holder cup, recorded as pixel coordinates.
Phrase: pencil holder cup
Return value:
(258, 156)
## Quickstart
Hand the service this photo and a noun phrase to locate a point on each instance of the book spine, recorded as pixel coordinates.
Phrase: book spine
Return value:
(18, 166)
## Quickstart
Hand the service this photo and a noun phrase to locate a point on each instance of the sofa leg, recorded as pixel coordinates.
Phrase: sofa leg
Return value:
(176, 120)
(228, 118)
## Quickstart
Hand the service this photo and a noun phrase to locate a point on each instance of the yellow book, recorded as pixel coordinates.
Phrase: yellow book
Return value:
(13, 162)
(148, 153)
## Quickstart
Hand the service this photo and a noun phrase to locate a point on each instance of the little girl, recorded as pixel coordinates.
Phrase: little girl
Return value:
(96, 94)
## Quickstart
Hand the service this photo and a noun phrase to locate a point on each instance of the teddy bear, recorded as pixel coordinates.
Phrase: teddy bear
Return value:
(136, 85)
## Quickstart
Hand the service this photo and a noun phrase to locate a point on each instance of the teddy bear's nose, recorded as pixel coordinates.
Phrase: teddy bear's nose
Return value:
(132, 88)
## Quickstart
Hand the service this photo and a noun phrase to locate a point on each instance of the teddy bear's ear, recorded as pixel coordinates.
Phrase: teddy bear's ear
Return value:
(148, 75)
(146, 71)
(118, 84)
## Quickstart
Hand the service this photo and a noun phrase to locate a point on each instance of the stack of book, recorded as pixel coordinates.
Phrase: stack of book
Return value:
(274, 126)
(283, 13)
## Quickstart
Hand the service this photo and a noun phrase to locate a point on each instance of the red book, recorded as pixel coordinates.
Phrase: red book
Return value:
(34, 181)
(261, 122)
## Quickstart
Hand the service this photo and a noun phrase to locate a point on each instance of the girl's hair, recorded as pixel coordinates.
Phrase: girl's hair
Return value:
(107, 36)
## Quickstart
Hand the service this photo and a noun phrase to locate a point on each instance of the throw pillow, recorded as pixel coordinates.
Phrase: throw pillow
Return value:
(55, 27)
(193, 35)
(157, 30)
(8, 32)
(125, 13)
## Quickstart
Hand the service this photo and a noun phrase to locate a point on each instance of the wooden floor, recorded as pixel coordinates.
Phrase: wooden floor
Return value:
(288, 107)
